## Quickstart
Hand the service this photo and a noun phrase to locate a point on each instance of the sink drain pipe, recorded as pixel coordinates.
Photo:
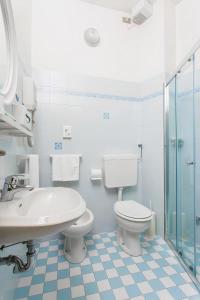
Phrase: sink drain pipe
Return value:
(19, 265)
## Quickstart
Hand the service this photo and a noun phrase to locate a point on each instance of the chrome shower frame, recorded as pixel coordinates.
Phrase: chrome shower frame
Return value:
(166, 156)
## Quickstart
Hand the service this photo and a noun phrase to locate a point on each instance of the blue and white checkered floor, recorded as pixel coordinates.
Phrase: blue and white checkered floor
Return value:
(107, 273)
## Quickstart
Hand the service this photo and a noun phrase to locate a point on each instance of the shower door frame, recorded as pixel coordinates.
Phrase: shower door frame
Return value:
(166, 160)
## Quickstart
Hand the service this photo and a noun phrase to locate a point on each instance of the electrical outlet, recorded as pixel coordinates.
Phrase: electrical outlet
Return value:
(67, 132)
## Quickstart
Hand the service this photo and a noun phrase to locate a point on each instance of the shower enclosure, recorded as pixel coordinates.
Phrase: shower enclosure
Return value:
(182, 163)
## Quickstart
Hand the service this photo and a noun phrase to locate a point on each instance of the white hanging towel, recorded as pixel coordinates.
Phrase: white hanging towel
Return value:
(28, 165)
(65, 167)
(32, 169)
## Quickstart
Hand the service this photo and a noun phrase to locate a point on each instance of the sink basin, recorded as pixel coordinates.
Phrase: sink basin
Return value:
(37, 213)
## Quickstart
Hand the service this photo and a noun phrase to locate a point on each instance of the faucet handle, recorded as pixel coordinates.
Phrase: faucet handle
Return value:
(13, 180)
(9, 178)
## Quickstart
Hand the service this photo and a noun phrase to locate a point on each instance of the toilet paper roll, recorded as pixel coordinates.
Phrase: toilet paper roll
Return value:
(96, 174)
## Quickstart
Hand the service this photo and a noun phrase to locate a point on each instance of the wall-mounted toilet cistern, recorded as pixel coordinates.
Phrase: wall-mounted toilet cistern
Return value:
(121, 171)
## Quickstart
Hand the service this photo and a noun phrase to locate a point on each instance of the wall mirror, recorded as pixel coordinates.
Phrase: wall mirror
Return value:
(8, 54)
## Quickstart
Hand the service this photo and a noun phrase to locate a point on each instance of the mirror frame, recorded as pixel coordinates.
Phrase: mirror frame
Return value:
(7, 93)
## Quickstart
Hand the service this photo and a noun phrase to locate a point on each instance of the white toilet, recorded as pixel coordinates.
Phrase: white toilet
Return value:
(132, 218)
(74, 247)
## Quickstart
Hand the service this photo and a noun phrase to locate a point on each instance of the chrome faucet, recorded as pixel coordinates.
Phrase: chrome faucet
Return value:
(12, 185)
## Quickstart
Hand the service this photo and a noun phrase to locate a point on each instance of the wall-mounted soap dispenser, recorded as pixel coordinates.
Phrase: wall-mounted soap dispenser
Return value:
(29, 93)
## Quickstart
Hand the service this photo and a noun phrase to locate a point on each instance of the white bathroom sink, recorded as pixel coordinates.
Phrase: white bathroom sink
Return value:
(38, 213)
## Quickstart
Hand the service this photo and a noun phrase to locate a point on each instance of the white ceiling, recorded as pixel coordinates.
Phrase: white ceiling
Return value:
(122, 5)
(177, 1)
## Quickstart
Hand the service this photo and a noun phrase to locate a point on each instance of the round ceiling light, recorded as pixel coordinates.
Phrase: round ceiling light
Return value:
(92, 37)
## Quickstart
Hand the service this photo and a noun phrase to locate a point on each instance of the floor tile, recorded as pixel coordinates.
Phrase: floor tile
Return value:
(107, 273)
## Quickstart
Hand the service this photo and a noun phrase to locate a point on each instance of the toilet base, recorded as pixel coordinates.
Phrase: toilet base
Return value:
(129, 242)
(75, 249)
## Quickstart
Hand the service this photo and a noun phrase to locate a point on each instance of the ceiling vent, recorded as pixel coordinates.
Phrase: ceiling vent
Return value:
(142, 11)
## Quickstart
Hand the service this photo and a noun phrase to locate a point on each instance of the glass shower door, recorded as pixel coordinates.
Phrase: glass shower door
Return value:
(182, 164)
(197, 173)
(186, 164)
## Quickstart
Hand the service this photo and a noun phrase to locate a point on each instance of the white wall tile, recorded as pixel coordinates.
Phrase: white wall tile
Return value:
(92, 136)
(153, 159)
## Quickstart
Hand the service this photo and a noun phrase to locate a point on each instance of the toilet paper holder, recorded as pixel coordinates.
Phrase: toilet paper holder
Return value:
(140, 146)
(96, 175)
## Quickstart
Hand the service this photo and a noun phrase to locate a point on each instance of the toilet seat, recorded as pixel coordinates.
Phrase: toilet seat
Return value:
(132, 210)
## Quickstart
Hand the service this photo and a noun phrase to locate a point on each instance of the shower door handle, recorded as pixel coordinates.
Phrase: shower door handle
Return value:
(190, 163)
(198, 220)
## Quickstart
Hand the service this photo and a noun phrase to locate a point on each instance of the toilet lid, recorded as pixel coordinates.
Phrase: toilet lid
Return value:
(132, 209)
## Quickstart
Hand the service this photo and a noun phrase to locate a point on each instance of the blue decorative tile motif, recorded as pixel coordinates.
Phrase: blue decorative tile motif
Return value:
(58, 146)
(106, 115)
(107, 273)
